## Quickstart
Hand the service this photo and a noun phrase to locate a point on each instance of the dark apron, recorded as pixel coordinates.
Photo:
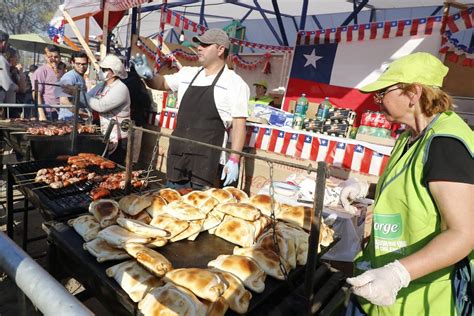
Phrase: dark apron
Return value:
(198, 119)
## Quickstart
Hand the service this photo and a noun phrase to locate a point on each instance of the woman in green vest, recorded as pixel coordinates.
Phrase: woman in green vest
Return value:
(419, 257)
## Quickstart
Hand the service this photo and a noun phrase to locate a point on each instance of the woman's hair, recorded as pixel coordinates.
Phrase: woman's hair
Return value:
(9, 53)
(433, 100)
(62, 65)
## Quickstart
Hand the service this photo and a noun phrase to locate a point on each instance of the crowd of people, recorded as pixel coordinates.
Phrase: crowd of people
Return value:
(110, 97)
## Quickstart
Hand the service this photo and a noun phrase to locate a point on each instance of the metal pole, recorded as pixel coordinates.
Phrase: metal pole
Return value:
(280, 22)
(129, 157)
(77, 97)
(309, 168)
(47, 294)
(304, 12)
(313, 258)
(36, 100)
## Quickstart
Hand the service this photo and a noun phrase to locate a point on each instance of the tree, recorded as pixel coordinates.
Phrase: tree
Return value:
(26, 16)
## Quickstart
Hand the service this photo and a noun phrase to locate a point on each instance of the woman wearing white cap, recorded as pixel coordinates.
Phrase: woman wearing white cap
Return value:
(111, 99)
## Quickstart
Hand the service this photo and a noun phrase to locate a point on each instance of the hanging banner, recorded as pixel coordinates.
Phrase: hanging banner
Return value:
(370, 31)
(177, 20)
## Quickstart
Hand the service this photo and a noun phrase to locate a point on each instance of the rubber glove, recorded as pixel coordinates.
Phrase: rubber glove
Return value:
(380, 286)
(353, 189)
(230, 172)
(141, 66)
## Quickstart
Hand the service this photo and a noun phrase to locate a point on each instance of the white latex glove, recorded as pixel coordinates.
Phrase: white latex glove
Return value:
(380, 286)
(230, 172)
(141, 66)
(353, 189)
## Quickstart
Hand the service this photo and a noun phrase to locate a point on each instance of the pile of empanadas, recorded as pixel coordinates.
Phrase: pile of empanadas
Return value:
(132, 227)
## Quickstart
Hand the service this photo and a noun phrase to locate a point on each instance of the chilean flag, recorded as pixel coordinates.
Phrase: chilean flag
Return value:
(263, 138)
(362, 159)
(323, 149)
(291, 149)
(337, 70)
(253, 137)
(279, 142)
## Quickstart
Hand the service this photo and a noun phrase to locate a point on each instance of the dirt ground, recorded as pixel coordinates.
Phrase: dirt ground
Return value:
(9, 305)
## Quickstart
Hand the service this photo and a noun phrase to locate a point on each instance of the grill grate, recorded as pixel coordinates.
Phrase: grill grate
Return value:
(64, 202)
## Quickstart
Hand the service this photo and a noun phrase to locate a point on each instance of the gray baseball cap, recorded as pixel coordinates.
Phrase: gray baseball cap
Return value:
(213, 36)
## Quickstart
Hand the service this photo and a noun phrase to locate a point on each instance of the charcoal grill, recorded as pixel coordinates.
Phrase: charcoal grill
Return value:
(42, 147)
(55, 203)
(68, 258)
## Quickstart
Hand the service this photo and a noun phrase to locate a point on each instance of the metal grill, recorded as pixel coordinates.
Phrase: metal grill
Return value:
(65, 202)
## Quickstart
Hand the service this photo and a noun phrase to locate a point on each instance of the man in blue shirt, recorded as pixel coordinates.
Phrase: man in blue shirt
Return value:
(74, 77)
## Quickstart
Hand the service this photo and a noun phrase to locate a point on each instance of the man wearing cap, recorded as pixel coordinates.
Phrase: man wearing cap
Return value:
(419, 257)
(261, 97)
(110, 97)
(6, 82)
(211, 99)
(47, 76)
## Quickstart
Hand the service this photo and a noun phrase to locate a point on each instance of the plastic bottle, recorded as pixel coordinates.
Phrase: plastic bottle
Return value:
(300, 112)
(301, 105)
(323, 109)
(171, 100)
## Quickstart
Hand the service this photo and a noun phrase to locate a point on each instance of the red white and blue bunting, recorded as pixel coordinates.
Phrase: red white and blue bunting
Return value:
(120, 5)
(460, 21)
(56, 29)
(370, 31)
(339, 152)
(178, 20)
(453, 45)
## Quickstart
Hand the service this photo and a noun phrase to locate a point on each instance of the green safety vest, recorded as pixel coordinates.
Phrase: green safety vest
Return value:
(406, 218)
(266, 100)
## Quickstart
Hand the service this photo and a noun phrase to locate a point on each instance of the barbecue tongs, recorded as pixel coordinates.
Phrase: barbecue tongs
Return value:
(106, 139)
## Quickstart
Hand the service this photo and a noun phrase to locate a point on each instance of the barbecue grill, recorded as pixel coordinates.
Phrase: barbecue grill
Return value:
(67, 257)
(42, 147)
(55, 203)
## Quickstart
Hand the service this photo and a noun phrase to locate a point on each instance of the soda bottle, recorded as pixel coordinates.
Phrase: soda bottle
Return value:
(301, 105)
(323, 109)
(171, 100)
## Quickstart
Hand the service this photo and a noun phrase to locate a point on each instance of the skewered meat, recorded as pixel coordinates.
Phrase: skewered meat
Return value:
(83, 160)
(59, 129)
(99, 193)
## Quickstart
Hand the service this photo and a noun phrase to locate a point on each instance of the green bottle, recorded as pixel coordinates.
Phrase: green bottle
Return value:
(323, 109)
(171, 100)
(301, 105)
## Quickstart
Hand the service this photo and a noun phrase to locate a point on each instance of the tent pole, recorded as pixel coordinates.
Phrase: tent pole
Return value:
(270, 26)
(280, 22)
(304, 12)
(201, 14)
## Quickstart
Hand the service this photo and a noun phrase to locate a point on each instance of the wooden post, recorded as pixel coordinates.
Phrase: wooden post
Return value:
(105, 32)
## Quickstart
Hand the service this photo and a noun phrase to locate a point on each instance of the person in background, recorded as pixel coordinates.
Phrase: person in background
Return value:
(140, 102)
(110, 97)
(46, 75)
(6, 83)
(211, 99)
(261, 96)
(62, 69)
(74, 77)
(18, 77)
(419, 257)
